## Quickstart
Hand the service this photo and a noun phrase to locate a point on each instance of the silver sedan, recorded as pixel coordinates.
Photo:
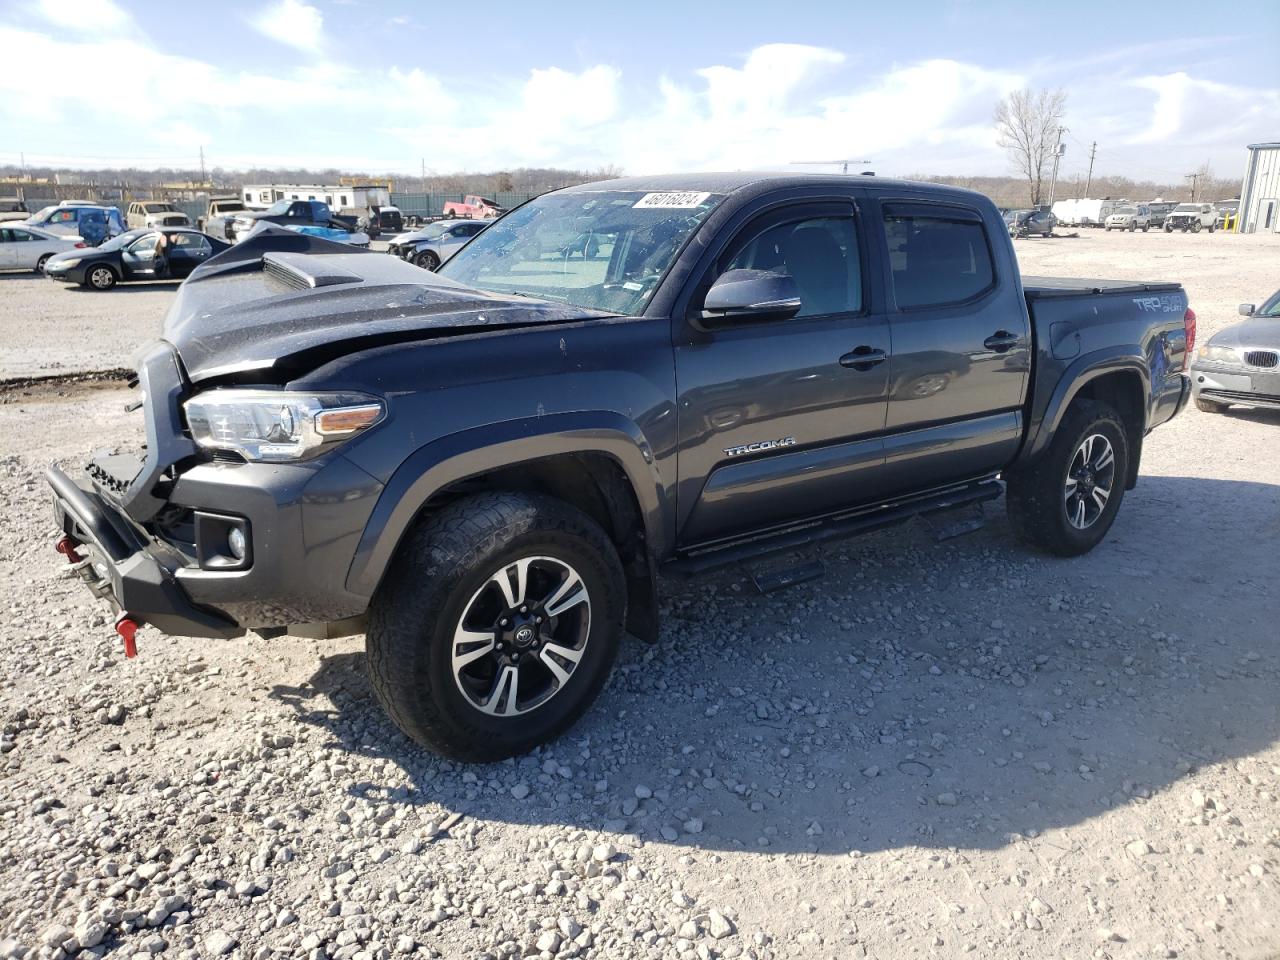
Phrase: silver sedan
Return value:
(29, 248)
(1241, 364)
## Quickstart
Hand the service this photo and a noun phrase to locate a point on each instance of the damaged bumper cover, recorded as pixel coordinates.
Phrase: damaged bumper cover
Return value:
(155, 529)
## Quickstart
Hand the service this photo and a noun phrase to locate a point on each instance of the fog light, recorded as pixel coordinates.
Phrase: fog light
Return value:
(236, 543)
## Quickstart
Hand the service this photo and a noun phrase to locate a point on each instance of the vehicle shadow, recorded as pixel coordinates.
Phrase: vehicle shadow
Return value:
(964, 693)
(131, 286)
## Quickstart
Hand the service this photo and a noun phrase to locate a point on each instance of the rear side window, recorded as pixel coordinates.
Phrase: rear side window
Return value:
(939, 255)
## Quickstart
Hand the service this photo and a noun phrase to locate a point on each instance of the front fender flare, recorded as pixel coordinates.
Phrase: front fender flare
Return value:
(470, 453)
(1119, 359)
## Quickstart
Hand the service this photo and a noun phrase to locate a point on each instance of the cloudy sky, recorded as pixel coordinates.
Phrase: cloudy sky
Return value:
(387, 86)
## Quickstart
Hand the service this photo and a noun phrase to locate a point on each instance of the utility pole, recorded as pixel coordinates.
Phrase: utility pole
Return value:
(1093, 152)
(1058, 149)
(1195, 180)
(424, 174)
(202, 166)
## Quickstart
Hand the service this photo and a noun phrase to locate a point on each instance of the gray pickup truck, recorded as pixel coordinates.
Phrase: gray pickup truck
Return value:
(485, 469)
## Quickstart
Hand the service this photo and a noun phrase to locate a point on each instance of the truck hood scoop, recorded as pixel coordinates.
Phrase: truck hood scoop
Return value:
(280, 303)
(303, 272)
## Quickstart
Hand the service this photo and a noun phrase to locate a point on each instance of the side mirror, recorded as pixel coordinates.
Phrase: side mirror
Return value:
(751, 295)
(1246, 309)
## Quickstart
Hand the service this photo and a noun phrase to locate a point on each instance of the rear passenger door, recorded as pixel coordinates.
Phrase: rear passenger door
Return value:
(961, 344)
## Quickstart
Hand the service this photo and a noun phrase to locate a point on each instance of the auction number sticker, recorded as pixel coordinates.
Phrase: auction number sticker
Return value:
(670, 201)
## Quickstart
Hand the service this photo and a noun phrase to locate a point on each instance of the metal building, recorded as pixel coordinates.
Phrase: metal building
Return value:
(1260, 192)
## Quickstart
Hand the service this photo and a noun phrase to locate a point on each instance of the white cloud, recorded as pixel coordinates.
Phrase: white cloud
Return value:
(292, 22)
(85, 16)
(1200, 111)
(778, 103)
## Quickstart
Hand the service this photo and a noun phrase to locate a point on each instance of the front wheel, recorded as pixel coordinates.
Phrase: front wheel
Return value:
(497, 625)
(101, 277)
(1066, 501)
(427, 260)
(1132, 226)
(1146, 227)
(1195, 226)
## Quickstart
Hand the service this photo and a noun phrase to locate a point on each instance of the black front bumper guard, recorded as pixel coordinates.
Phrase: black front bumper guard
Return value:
(122, 569)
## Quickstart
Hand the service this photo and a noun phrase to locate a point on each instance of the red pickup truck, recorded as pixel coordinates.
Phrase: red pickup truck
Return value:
(472, 208)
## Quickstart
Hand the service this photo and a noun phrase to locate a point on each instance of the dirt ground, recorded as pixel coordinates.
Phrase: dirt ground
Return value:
(941, 749)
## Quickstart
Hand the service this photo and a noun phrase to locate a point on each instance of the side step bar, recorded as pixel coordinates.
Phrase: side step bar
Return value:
(836, 527)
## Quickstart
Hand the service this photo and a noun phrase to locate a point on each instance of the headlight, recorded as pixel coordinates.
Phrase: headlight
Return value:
(278, 425)
(73, 262)
(1219, 354)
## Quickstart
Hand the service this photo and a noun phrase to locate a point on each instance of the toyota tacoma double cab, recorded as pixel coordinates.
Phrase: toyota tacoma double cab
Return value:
(485, 469)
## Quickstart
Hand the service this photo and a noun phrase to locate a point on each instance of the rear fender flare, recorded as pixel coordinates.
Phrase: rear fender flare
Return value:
(472, 453)
(1099, 363)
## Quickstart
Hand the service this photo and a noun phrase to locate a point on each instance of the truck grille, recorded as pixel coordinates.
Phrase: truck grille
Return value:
(1261, 358)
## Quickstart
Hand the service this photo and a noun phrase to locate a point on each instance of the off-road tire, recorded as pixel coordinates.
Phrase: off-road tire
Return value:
(427, 260)
(1034, 494)
(438, 568)
(1209, 406)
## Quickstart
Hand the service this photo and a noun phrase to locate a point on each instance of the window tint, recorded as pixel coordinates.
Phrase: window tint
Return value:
(188, 241)
(936, 260)
(820, 254)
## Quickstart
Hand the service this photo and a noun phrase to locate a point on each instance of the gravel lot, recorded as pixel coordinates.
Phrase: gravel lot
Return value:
(941, 749)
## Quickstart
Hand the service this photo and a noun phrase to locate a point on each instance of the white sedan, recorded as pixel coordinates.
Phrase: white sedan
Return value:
(28, 248)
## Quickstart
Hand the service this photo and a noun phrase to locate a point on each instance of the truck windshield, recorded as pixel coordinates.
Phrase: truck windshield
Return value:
(603, 250)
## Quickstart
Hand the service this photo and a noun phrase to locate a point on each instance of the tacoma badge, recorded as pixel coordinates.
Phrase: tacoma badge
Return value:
(760, 446)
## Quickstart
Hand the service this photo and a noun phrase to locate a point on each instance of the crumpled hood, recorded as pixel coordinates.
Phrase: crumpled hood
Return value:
(281, 302)
(1255, 332)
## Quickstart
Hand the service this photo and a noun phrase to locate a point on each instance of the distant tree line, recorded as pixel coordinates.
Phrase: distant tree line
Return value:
(518, 180)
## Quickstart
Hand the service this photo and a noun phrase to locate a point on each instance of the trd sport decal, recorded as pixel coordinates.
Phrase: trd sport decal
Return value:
(760, 446)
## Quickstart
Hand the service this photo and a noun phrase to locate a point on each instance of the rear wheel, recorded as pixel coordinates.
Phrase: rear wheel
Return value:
(497, 625)
(427, 260)
(101, 277)
(43, 262)
(1066, 501)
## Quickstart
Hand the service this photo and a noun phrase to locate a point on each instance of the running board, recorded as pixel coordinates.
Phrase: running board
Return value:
(840, 526)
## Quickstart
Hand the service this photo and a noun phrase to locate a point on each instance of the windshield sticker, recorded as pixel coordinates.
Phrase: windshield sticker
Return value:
(670, 201)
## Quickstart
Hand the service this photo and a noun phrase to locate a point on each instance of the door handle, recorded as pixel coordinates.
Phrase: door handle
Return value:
(1002, 340)
(863, 358)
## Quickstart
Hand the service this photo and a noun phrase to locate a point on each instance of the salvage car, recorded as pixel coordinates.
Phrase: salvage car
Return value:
(1026, 223)
(336, 234)
(1191, 216)
(13, 208)
(30, 248)
(436, 242)
(1240, 364)
(90, 222)
(147, 254)
(219, 214)
(1129, 218)
(472, 207)
(485, 468)
(315, 213)
(155, 213)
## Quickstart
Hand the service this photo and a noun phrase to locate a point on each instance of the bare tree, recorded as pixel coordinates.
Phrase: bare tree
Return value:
(1027, 122)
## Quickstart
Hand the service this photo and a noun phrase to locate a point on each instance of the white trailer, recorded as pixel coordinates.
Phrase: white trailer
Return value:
(1085, 212)
(259, 196)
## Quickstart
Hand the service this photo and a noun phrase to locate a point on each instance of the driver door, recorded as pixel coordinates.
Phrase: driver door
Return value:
(783, 419)
(138, 260)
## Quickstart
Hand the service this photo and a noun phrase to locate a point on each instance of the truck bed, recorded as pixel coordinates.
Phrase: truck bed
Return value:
(1039, 288)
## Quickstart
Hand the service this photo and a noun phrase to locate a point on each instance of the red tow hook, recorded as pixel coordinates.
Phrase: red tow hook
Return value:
(127, 627)
(67, 547)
